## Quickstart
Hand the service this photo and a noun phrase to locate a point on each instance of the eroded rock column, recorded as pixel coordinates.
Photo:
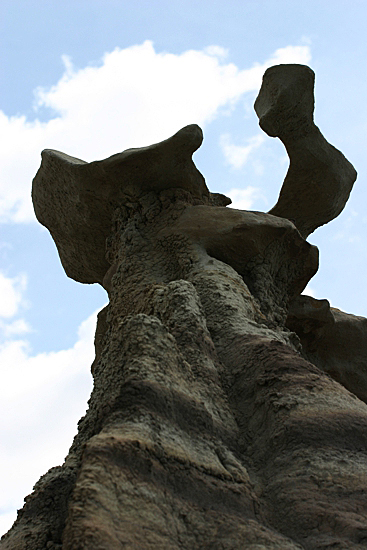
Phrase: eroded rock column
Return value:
(206, 427)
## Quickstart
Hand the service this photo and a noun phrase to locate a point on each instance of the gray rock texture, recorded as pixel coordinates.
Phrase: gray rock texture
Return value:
(213, 421)
(333, 340)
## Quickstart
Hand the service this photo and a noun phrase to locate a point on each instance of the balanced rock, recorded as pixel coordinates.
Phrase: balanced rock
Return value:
(319, 179)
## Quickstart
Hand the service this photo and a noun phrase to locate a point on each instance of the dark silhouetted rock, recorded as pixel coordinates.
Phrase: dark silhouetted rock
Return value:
(85, 195)
(319, 179)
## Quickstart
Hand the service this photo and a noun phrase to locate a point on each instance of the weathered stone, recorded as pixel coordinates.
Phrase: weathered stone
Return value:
(245, 240)
(84, 195)
(333, 340)
(319, 179)
(206, 427)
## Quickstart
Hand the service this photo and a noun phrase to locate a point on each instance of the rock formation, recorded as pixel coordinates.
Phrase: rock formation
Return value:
(317, 170)
(211, 423)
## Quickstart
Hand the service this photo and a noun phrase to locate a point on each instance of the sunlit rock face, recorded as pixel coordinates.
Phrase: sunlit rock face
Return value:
(213, 422)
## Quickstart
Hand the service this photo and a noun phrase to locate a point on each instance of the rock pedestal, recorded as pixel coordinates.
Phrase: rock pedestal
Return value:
(207, 427)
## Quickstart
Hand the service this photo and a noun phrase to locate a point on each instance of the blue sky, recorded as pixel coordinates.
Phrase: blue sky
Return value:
(94, 78)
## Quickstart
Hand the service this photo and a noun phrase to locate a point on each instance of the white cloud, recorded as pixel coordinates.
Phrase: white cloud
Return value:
(19, 326)
(217, 51)
(11, 302)
(135, 98)
(6, 520)
(309, 291)
(11, 294)
(237, 155)
(291, 54)
(41, 399)
(243, 199)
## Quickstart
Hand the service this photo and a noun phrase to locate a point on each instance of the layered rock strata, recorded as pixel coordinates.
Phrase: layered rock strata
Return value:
(207, 427)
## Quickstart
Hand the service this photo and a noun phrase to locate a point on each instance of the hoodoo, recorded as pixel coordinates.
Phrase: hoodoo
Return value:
(228, 410)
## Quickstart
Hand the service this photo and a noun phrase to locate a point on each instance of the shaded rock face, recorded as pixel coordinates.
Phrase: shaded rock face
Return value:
(211, 423)
(333, 340)
(317, 171)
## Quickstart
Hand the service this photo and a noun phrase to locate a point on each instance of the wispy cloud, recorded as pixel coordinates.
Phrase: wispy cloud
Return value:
(12, 302)
(350, 228)
(15, 328)
(243, 199)
(238, 155)
(11, 292)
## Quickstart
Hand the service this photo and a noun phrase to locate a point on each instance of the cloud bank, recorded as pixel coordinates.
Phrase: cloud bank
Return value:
(136, 97)
(42, 397)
